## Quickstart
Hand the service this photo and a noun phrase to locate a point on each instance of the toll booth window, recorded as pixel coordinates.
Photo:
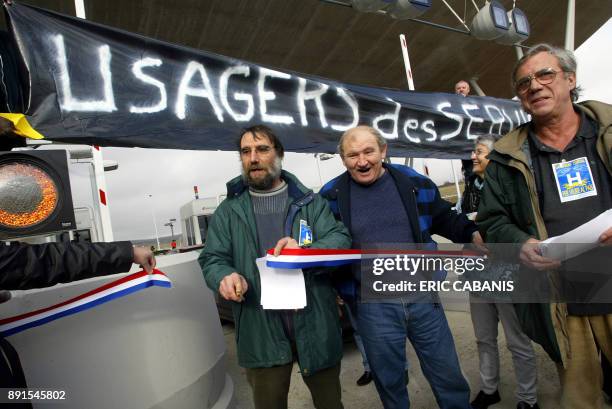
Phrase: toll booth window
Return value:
(203, 222)
(79, 236)
(190, 233)
(82, 236)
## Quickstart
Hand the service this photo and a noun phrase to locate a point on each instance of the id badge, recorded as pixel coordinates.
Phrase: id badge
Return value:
(305, 234)
(574, 179)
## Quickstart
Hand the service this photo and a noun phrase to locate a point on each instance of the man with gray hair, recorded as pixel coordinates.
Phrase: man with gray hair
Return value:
(391, 204)
(544, 179)
(462, 88)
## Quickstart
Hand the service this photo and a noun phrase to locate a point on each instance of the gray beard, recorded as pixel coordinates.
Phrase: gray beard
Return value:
(267, 181)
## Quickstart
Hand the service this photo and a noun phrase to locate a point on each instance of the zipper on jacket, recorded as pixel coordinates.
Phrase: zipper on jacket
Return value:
(340, 207)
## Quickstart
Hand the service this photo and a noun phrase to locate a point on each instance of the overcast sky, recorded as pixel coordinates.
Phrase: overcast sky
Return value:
(169, 175)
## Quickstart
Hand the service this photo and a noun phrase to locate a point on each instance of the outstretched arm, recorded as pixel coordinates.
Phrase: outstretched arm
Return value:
(25, 266)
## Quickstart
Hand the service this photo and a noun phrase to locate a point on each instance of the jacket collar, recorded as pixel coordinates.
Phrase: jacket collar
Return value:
(240, 201)
(400, 178)
(512, 145)
(341, 193)
(296, 189)
(598, 111)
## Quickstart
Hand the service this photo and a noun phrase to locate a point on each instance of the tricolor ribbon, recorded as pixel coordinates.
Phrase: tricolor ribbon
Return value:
(304, 258)
(108, 292)
(307, 257)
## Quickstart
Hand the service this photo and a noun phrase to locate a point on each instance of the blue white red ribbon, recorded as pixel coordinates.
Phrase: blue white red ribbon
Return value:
(108, 292)
(307, 257)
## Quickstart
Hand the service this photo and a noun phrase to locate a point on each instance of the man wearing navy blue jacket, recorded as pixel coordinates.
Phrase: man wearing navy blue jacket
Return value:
(382, 203)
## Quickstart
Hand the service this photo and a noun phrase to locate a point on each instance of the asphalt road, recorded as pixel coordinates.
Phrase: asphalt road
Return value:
(421, 397)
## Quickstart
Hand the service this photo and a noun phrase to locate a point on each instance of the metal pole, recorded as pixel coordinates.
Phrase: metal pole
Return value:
(456, 182)
(154, 222)
(319, 169)
(456, 15)
(474, 83)
(570, 25)
(171, 225)
(519, 52)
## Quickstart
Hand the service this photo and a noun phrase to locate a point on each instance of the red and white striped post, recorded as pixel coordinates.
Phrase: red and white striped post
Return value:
(406, 62)
(407, 161)
(100, 196)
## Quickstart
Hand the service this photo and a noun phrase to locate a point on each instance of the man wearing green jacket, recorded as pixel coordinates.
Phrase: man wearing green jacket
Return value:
(267, 208)
(530, 194)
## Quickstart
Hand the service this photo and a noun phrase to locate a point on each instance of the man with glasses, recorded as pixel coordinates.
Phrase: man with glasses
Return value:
(530, 195)
(265, 208)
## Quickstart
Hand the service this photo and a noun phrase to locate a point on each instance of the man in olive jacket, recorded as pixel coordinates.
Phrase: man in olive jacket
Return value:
(522, 203)
(265, 208)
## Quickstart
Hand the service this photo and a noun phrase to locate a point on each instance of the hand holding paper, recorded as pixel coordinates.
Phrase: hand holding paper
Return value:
(606, 237)
(581, 239)
(531, 255)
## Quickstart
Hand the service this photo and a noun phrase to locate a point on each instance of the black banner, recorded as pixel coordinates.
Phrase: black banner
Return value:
(93, 84)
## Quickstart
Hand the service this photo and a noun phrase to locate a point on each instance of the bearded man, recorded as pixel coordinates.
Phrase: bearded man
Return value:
(268, 207)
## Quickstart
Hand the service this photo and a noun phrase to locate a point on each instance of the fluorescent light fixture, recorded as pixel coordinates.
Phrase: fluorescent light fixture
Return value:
(490, 22)
(519, 28)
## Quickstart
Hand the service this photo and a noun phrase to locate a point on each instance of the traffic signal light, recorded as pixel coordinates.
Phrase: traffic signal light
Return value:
(35, 195)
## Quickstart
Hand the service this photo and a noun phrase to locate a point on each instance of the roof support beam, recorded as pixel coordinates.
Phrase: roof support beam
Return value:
(570, 25)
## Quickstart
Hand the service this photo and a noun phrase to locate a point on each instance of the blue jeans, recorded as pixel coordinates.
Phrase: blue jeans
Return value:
(384, 328)
(357, 337)
(358, 342)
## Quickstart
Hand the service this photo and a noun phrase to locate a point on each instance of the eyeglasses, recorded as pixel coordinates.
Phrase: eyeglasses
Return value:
(543, 77)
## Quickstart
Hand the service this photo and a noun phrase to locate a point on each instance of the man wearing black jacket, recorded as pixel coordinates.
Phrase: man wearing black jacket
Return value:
(24, 266)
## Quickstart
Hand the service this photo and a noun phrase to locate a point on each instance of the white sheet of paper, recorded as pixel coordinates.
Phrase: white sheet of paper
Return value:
(281, 288)
(581, 239)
